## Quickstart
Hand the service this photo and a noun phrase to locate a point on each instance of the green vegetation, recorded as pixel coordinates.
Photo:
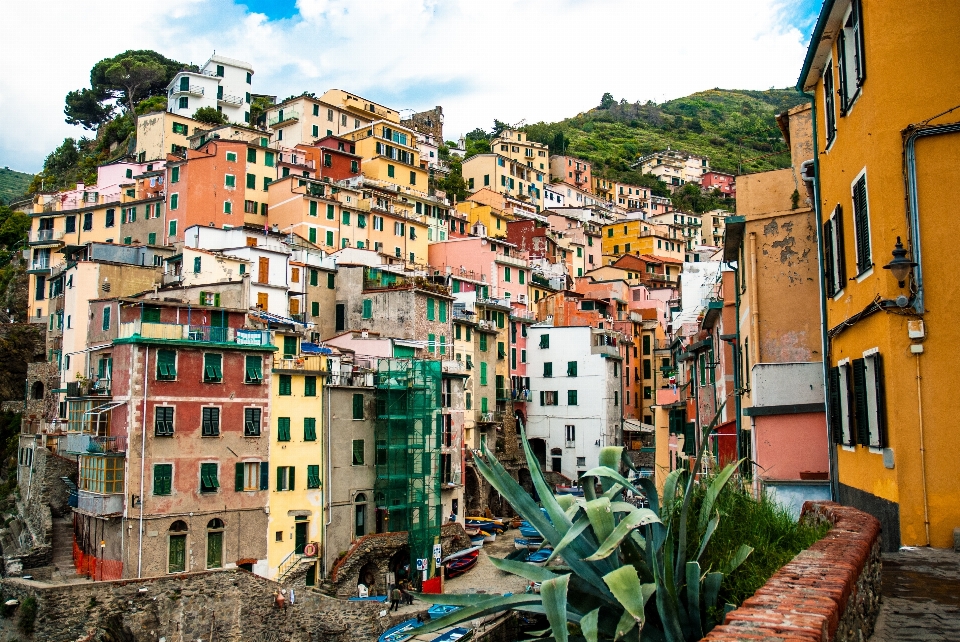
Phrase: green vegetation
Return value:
(616, 557)
(735, 129)
(28, 616)
(13, 184)
(210, 116)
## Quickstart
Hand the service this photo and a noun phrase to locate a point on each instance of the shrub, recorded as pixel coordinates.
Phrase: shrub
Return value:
(28, 616)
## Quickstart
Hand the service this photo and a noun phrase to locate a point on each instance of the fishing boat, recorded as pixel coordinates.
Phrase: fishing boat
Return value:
(369, 598)
(538, 557)
(461, 561)
(529, 543)
(458, 633)
(486, 523)
(529, 531)
(400, 632)
(489, 536)
(439, 610)
(477, 540)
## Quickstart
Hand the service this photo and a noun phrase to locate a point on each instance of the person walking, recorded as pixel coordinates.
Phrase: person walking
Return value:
(395, 596)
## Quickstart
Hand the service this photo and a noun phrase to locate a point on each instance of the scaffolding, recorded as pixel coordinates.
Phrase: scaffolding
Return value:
(408, 438)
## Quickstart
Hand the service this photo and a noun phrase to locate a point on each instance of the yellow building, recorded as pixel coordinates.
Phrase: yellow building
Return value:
(518, 147)
(304, 119)
(296, 484)
(638, 237)
(490, 217)
(390, 155)
(882, 144)
(160, 133)
(513, 178)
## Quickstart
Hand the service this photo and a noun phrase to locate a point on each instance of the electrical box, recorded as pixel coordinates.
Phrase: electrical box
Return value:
(915, 329)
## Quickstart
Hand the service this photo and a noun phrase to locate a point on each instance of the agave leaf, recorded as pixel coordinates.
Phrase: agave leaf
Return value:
(553, 596)
(523, 569)
(625, 584)
(578, 527)
(706, 509)
(608, 473)
(588, 625)
(711, 589)
(625, 625)
(711, 527)
(610, 457)
(649, 489)
(693, 598)
(524, 602)
(560, 521)
(670, 487)
(636, 518)
(739, 558)
(601, 518)
(565, 501)
(615, 489)
(667, 608)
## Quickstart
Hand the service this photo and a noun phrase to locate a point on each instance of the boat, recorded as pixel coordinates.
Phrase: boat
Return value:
(530, 543)
(529, 531)
(486, 523)
(478, 540)
(489, 536)
(462, 564)
(538, 557)
(369, 598)
(457, 633)
(439, 610)
(471, 530)
(400, 632)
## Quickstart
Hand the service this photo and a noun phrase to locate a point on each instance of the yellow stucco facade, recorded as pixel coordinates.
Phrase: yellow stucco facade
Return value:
(893, 401)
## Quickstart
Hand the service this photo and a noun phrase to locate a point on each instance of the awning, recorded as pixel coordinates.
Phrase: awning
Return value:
(313, 348)
(269, 317)
(636, 426)
(99, 410)
(92, 348)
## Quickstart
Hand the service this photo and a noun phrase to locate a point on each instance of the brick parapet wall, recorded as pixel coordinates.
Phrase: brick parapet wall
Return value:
(829, 592)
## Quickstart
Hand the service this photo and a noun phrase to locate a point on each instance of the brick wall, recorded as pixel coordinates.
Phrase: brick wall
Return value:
(831, 591)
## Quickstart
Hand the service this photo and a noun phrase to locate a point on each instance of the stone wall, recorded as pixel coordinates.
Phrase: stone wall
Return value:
(831, 591)
(230, 605)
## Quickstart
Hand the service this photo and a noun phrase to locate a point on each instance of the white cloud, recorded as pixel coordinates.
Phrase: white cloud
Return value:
(506, 59)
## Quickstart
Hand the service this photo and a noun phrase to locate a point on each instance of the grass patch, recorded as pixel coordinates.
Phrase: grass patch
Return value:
(773, 533)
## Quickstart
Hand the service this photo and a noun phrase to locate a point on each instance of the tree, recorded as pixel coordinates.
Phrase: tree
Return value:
(498, 127)
(134, 74)
(258, 108)
(86, 107)
(607, 101)
(210, 116)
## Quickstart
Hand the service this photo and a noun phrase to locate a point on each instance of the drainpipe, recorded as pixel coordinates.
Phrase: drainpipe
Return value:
(923, 459)
(824, 338)
(754, 304)
(143, 448)
(735, 349)
(327, 490)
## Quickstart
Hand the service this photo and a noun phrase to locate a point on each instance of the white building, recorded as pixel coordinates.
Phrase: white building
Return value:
(576, 408)
(222, 83)
(553, 195)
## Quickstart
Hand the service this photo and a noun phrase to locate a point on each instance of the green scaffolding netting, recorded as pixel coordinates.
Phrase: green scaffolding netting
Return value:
(408, 430)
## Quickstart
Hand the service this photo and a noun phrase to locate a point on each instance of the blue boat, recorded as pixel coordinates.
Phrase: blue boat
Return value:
(439, 610)
(531, 543)
(529, 531)
(400, 632)
(452, 635)
(538, 557)
(370, 598)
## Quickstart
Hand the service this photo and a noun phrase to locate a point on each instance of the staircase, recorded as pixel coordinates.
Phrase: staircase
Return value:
(62, 545)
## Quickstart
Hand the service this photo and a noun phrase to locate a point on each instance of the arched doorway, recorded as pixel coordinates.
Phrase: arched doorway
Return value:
(471, 491)
(177, 547)
(37, 392)
(495, 503)
(215, 543)
(369, 576)
(539, 448)
(399, 564)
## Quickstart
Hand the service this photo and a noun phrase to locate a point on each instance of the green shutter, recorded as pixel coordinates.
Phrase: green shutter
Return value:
(238, 477)
(309, 429)
(571, 397)
(443, 344)
(860, 401)
(280, 470)
(544, 340)
(264, 475)
(286, 386)
(571, 368)
(329, 238)
(483, 343)
(367, 309)
(313, 476)
(881, 440)
(836, 422)
(430, 309)
(547, 368)
(310, 386)
(432, 342)
(254, 369)
(483, 373)
(443, 311)
(331, 281)
(315, 308)
(162, 479)
(358, 452)
(283, 429)
(329, 211)
(293, 478)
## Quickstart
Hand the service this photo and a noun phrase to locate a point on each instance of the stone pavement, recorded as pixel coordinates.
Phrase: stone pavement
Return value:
(921, 596)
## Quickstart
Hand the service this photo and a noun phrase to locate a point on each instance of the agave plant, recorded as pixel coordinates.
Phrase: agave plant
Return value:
(610, 557)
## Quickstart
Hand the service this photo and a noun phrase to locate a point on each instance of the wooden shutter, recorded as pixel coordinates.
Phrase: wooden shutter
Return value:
(881, 440)
(828, 261)
(238, 477)
(839, 256)
(842, 70)
(293, 471)
(264, 475)
(836, 422)
(861, 224)
(860, 400)
(861, 67)
(357, 406)
(280, 478)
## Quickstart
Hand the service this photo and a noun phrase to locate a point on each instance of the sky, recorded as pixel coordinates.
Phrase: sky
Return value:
(514, 60)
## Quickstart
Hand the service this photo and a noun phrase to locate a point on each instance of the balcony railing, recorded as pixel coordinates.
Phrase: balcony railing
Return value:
(199, 333)
(45, 236)
(283, 116)
(84, 443)
(230, 100)
(298, 160)
(312, 363)
(39, 266)
(193, 90)
(506, 259)
(522, 395)
(97, 504)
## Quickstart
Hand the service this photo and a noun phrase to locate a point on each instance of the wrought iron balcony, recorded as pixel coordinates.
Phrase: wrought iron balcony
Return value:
(198, 333)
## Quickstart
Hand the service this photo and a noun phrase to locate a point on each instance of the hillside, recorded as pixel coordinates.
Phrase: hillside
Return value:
(13, 184)
(736, 129)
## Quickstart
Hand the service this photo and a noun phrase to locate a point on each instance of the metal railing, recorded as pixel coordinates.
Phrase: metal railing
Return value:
(230, 100)
(40, 265)
(97, 504)
(200, 333)
(287, 115)
(97, 444)
(312, 363)
(39, 236)
(195, 90)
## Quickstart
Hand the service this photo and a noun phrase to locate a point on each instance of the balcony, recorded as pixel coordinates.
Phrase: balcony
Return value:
(189, 90)
(39, 267)
(231, 101)
(506, 259)
(83, 444)
(298, 160)
(522, 395)
(97, 504)
(283, 118)
(45, 237)
(195, 333)
(302, 363)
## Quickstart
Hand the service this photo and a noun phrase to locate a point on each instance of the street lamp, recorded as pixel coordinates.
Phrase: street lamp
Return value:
(900, 266)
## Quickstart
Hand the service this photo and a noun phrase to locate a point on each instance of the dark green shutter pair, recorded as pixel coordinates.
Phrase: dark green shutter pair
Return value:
(858, 409)
(166, 365)
(313, 476)
(162, 479)
(309, 429)
(290, 477)
(239, 476)
(251, 422)
(212, 368)
(283, 429)
(254, 369)
(208, 478)
(164, 421)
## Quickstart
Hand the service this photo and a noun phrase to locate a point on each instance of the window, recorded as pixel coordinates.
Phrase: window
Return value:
(483, 373)
(840, 395)
(162, 479)
(868, 409)
(647, 369)
(850, 62)
(251, 475)
(172, 228)
(390, 171)
(571, 397)
(210, 422)
(110, 217)
(616, 398)
(829, 109)
(571, 368)
(548, 369)
(358, 405)
(329, 238)
(431, 313)
(163, 421)
(861, 223)
(251, 422)
(313, 476)
(285, 385)
(431, 342)
(106, 318)
(212, 372)
(647, 392)
(310, 386)
(834, 261)
(309, 429)
(331, 281)
(286, 477)
(283, 428)
(231, 157)
(483, 343)
(358, 452)
(548, 398)
(571, 435)
(183, 103)
(544, 340)
(443, 311)
(209, 478)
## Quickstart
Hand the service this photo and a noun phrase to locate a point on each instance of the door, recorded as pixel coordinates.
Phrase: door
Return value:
(300, 537)
(289, 347)
(177, 559)
(215, 549)
(341, 317)
(263, 270)
(218, 326)
(262, 300)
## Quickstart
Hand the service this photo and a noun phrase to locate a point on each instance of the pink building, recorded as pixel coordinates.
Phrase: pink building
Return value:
(572, 171)
(726, 183)
(499, 265)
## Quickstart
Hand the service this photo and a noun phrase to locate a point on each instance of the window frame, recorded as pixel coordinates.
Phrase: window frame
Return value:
(166, 431)
(252, 427)
(212, 373)
(214, 416)
(205, 488)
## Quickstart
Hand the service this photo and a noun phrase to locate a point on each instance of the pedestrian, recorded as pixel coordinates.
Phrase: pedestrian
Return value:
(407, 595)
(395, 599)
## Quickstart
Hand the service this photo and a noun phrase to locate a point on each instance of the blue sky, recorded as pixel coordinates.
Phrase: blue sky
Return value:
(507, 59)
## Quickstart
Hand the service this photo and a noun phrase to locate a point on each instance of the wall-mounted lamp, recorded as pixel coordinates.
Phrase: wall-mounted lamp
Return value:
(900, 266)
